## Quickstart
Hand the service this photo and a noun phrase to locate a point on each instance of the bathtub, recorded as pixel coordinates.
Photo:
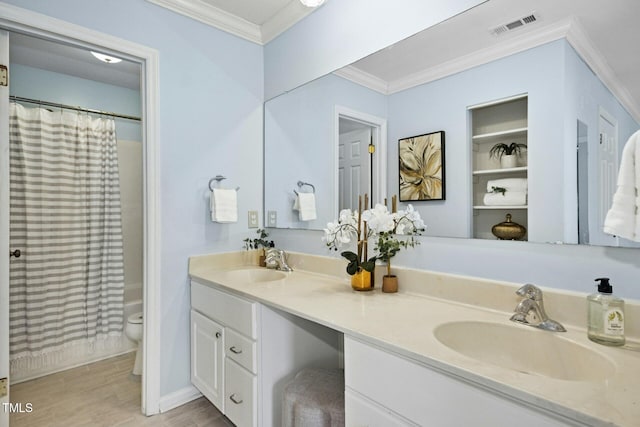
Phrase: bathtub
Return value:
(78, 356)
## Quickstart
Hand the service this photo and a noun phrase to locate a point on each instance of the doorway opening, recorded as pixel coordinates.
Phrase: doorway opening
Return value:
(361, 158)
(26, 23)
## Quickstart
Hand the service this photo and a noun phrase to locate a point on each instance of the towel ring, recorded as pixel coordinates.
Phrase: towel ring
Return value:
(218, 178)
(301, 184)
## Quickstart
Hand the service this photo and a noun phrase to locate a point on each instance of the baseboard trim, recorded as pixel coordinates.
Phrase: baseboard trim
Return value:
(179, 398)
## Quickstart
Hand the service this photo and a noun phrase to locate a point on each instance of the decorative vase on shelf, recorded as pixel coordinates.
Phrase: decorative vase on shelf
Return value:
(508, 230)
(362, 280)
(509, 161)
(390, 283)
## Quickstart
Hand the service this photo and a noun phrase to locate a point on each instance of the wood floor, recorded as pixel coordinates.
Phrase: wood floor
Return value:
(100, 394)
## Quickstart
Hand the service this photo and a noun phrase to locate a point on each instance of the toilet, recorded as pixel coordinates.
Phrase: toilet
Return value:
(134, 332)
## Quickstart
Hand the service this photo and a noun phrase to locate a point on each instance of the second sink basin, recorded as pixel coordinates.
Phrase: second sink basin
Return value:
(525, 350)
(249, 275)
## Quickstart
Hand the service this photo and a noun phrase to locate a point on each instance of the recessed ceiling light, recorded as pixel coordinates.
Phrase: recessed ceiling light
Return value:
(106, 58)
(312, 3)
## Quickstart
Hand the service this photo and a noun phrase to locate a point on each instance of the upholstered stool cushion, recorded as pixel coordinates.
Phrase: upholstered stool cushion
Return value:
(314, 398)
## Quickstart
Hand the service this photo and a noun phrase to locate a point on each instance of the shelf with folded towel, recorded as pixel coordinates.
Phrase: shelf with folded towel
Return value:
(498, 191)
(500, 171)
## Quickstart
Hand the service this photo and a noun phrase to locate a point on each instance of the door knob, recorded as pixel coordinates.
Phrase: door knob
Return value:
(15, 253)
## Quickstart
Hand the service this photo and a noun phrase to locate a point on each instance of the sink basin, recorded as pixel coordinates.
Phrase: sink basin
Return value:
(255, 275)
(526, 350)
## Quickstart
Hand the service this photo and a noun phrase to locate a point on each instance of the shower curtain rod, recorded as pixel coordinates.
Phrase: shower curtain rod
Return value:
(71, 107)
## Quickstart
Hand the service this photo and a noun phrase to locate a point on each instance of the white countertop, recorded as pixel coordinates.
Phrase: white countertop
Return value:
(404, 322)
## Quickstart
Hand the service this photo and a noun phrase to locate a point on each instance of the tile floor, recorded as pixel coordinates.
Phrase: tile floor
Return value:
(101, 394)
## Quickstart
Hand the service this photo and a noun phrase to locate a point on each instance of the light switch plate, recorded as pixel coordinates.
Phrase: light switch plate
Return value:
(253, 219)
(272, 219)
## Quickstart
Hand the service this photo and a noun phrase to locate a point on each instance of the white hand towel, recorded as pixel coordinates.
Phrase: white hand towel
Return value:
(510, 198)
(305, 204)
(513, 184)
(224, 205)
(623, 219)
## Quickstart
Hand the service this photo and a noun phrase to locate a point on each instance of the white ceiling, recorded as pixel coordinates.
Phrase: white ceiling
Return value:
(606, 33)
(60, 58)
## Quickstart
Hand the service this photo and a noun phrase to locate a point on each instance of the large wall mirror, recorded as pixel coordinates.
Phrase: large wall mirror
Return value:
(547, 74)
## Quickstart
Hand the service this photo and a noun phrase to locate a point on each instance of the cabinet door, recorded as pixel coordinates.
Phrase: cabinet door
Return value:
(207, 351)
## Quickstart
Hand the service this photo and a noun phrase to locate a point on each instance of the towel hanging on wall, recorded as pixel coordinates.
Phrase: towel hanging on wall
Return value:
(224, 205)
(305, 204)
(623, 219)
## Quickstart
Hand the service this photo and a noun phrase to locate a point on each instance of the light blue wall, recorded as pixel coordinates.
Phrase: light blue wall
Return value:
(343, 31)
(299, 132)
(585, 95)
(211, 93)
(34, 83)
(442, 105)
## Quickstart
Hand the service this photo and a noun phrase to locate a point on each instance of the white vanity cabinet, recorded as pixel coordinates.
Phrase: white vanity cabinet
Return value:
(244, 369)
(385, 389)
(224, 364)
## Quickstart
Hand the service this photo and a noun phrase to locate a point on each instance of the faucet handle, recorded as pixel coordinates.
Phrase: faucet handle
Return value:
(530, 291)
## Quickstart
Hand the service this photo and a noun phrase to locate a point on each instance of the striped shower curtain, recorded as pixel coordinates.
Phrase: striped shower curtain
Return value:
(68, 285)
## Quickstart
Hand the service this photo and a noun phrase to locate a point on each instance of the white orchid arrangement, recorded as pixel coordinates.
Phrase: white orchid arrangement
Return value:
(376, 223)
(349, 226)
(389, 226)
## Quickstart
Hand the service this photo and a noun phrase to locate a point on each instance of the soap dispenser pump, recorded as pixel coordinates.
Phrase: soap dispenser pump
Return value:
(605, 315)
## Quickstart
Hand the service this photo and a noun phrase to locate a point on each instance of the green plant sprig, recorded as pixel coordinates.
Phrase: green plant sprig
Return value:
(502, 149)
(498, 190)
(259, 242)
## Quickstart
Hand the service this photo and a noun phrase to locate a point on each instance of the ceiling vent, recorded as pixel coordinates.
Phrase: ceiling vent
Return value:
(526, 20)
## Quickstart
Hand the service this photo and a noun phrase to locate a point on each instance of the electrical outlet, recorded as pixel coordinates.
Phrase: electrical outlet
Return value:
(272, 219)
(253, 219)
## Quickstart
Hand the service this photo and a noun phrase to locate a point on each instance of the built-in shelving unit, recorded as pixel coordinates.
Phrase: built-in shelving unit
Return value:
(502, 121)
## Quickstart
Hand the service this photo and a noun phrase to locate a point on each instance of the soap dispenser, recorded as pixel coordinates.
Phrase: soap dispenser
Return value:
(605, 315)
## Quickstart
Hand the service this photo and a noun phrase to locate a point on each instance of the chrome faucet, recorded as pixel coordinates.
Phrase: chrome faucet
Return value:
(277, 259)
(532, 302)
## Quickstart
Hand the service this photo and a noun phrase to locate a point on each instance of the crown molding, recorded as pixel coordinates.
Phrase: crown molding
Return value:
(214, 17)
(569, 28)
(225, 21)
(508, 47)
(363, 78)
(583, 45)
(283, 20)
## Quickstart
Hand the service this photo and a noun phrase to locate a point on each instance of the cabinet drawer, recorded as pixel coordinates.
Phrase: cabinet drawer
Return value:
(225, 308)
(240, 394)
(427, 397)
(362, 412)
(241, 349)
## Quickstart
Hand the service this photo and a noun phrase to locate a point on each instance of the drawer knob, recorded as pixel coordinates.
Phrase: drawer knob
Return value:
(234, 399)
(218, 334)
(235, 350)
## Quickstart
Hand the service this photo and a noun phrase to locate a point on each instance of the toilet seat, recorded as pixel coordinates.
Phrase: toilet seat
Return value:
(135, 318)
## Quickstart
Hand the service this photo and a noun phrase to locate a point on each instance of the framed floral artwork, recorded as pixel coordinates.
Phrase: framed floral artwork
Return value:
(421, 168)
